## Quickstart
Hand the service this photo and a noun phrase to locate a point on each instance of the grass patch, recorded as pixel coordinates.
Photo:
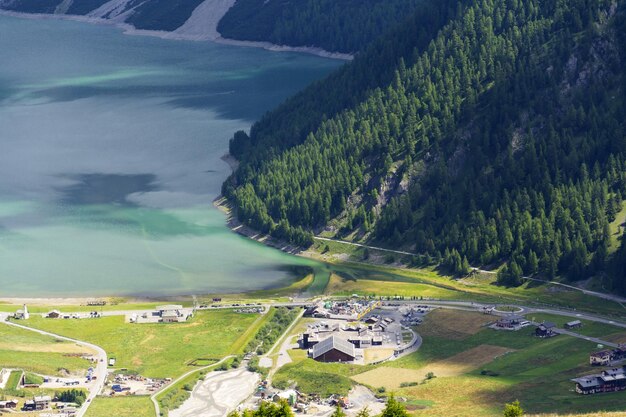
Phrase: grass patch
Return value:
(33, 352)
(157, 350)
(123, 406)
(14, 380)
(313, 378)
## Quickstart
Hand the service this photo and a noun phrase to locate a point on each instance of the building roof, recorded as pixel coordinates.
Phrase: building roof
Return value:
(43, 398)
(574, 323)
(602, 353)
(609, 375)
(169, 307)
(547, 325)
(331, 343)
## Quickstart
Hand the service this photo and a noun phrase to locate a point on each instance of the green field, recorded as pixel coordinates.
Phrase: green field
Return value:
(14, 380)
(41, 354)
(158, 350)
(129, 406)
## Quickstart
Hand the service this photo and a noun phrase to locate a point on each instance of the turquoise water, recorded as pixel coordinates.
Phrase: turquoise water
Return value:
(110, 150)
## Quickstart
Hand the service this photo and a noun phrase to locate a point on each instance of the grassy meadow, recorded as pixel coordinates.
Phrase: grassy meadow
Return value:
(158, 350)
(123, 406)
(41, 354)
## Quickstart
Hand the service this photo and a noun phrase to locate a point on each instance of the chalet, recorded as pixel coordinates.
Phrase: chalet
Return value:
(334, 349)
(8, 405)
(601, 358)
(546, 329)
(510, 322)
(38, 403)
(611, 380)
(605, 357)
(54, 314)
(575, 324)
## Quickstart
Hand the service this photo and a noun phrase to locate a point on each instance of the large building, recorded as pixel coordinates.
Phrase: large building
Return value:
(611, 380)
(334, 349)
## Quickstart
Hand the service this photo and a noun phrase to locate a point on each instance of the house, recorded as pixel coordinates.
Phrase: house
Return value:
(605, 357)
(546, 329)
(334, 349)
(575, 324)
(22, 314)
(511, 321)
(601, 358)
(10, 405)
(38, 403)
(611, 380)
(54, 314)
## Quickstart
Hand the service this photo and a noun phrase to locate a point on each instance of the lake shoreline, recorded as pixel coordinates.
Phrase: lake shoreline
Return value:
(129, 29)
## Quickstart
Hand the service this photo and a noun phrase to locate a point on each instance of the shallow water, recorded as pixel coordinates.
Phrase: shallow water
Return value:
(110, 150)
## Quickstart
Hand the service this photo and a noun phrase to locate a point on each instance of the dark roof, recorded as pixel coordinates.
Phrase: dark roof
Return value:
(331, 343)
(548, 325)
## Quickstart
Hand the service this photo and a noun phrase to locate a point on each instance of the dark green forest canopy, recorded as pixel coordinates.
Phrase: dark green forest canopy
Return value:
(334, 25)
(500, 140)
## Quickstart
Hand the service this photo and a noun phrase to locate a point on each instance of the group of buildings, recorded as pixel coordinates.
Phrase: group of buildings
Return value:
(163, 314)
(609, 380)
(352, 309)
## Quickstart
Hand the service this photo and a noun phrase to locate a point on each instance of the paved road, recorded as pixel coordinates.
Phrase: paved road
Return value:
(100, 370)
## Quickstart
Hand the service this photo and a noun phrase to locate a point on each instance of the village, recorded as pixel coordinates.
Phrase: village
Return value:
(351, 331)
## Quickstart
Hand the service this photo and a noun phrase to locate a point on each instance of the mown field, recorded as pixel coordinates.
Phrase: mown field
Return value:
(129, 406)
(476, 371)
(158, 350)
(41, 354)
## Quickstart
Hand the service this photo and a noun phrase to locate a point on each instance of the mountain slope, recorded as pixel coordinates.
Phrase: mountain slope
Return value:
(502, 141)
(335, 25)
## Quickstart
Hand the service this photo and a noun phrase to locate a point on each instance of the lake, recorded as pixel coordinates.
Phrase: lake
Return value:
(110, 158)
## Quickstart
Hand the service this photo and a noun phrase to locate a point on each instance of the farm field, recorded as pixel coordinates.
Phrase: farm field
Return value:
(33, 352)
(158, 350)
(130, 406)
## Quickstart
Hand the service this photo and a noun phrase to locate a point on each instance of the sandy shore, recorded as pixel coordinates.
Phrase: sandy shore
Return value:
(182, 34)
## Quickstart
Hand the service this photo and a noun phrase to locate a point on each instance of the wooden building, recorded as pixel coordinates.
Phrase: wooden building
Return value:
(546, 329)
(334, 349)
(575, 324)
(611, 380)
(8, 405)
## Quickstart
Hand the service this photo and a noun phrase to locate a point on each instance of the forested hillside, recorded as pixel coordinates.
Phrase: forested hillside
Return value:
(335, 25)
(502, 140)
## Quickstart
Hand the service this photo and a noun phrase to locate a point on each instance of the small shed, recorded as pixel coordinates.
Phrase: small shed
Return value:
(575, 324)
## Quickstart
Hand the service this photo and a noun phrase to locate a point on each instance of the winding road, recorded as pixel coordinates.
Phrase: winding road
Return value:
(100, 369)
